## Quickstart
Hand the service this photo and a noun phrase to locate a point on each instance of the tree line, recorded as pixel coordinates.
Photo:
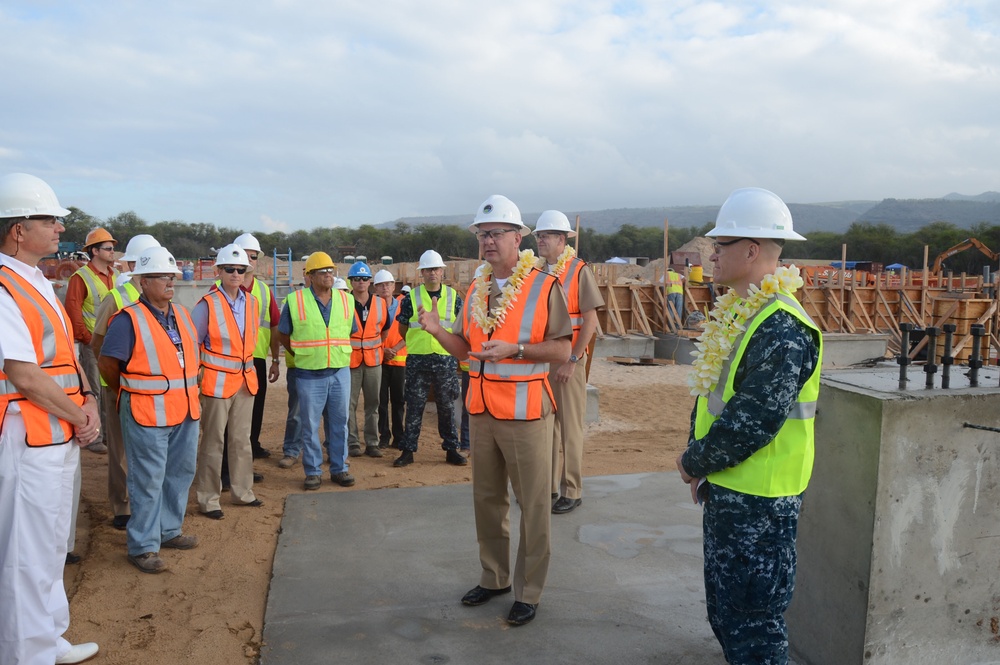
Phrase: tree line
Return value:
(865, 241)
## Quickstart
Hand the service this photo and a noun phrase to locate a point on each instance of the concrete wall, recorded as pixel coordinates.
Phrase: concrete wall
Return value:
(898, 555)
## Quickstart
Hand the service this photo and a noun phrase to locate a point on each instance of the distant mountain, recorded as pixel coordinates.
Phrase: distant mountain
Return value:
(906, 215)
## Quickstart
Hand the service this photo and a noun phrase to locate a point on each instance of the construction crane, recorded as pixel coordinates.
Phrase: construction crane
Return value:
(961, 247)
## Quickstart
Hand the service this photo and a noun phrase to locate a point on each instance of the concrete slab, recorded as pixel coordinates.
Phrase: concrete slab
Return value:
(632, 346)
(377, 576)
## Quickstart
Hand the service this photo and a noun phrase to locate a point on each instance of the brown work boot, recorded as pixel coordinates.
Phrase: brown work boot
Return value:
(181, 542)
(148, 562)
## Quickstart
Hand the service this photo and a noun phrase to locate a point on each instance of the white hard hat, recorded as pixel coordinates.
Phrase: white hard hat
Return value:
(430, 259)
(137, 245)
(553, 220)
(247, 242)
(479, 269)
(23, 195)
(232, 255)
(406, 288)
(753, 212)
(339, 283)
(500, 209)
(156, 261)
(383, 276)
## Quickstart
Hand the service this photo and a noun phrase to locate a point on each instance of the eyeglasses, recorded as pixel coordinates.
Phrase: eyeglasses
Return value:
(160, 278)
(252, 257)
(495, 234)
(727, 243)
(107, 249)
(231, 269)
(360, 279)
(547, 235)
(322, 271)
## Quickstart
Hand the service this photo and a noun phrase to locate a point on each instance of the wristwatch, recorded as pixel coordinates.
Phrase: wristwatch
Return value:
(574, 358)
(520, 352)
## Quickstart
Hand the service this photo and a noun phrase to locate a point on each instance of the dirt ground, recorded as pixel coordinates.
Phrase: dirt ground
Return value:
(208, 607)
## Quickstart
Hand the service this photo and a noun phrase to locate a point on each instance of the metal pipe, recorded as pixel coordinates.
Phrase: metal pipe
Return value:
(930, 367)
(904, 352)
(946, 358)
(975, 360)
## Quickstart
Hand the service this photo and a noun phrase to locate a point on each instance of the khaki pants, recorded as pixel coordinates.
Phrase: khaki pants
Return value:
(216, 414)
(567, 433)
(521, 452)
(117, 464)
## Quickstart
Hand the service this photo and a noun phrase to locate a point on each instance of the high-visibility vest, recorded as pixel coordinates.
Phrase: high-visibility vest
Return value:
(96, 291)
(318, 345)
(163, 392)
(570, 282)
(125, 295)
(54, 354)
(782, 467)
(366, 341)
(511, 389)
(674, 284)
(228, 364)
(394, 338)
(418, 341)
(262, 293)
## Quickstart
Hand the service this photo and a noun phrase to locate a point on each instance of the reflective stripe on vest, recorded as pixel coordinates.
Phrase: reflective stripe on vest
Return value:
(512, 389)
(262, 293)
(782, 467)
(162, 392)
(228, 364)
(54, 354)
(394, 338)
(418, 341)
(318, 345)
(95, 286)
(366, 341)
(570, 281)
(125, 295)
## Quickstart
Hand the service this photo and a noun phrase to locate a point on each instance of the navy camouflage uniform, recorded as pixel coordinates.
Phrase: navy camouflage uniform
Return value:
(422, 372)
(749, 541)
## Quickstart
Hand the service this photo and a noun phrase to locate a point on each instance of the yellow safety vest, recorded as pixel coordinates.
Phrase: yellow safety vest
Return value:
(782, 467)
(262, 293)
(95, 287)
(420, 342)
(674, 284)
(316, 344)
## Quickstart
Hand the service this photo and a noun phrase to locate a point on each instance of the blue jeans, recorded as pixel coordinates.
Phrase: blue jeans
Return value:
(161, 466)
(292, 446)
(323, 393)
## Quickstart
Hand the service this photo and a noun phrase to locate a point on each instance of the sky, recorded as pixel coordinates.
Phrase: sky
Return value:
(290, 114)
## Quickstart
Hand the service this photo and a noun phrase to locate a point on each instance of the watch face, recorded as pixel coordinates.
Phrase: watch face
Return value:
(574, 358)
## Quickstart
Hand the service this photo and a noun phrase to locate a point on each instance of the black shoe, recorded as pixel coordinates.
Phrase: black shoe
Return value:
(521, 613)
(258, 477)
(480, 595)
(404, 459)
(73, 558)
(564, 505)
(214, 515)
(120, 522)
(256, 503)
(261, 453)
(225, 483)
(355, 451)
(453, 457)
(373, 451)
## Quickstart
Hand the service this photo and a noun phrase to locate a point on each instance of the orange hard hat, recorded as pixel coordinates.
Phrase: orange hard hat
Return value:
(96, 236)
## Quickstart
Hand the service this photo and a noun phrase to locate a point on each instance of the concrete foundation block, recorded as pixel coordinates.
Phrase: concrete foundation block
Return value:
(675, 347)
(631, 346)
(845, 349)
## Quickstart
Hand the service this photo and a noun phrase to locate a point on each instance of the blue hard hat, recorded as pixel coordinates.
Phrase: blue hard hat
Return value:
(359, 269)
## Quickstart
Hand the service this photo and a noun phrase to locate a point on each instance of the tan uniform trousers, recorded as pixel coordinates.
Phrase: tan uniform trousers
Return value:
(117, 464)
(567, 432)
(237, 413)
(521, 452)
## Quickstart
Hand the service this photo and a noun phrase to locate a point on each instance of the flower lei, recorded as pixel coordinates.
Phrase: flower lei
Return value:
(727, 320)
(567, 255)
(488, 320)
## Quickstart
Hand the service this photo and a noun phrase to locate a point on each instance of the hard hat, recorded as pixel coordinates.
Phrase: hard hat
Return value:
(247, 242)
(430, 259)
(383, 276)
(339, 283)
(318, 260)
(359, 269)
(406, 288)
(156, 261)
(137, 245)
(498, 208)
(232, 255)
(753, 212)
(98, 235)
(479, 269)
(553, 220)
(23, 195)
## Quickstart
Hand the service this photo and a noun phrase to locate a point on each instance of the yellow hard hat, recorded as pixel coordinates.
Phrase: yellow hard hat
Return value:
(96, 236)
(318, 260)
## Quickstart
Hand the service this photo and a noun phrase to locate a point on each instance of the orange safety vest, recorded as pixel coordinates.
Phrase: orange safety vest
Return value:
(366, 341)
(394, 338)
(54, 354)
(164, 391)
(570, 282)
(511, 389)
(228, 364)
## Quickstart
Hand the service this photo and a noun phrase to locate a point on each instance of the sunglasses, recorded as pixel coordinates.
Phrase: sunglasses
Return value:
(231, 269)
(107, 249)
(361, 279)
(727, 243)
(495, 234)
(252, 257)
(322, 271)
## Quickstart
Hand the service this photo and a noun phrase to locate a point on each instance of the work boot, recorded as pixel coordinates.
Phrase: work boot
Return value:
(287, 462)
(453, 457)
(355, 451)
(98, 447)
(312, 482)
(148, 562)
(344, 479)
(404, 459)
(373, 451)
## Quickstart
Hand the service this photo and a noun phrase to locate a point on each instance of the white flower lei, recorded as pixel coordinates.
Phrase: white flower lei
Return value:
(488, 320)
(726, 322)
(567, 255)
